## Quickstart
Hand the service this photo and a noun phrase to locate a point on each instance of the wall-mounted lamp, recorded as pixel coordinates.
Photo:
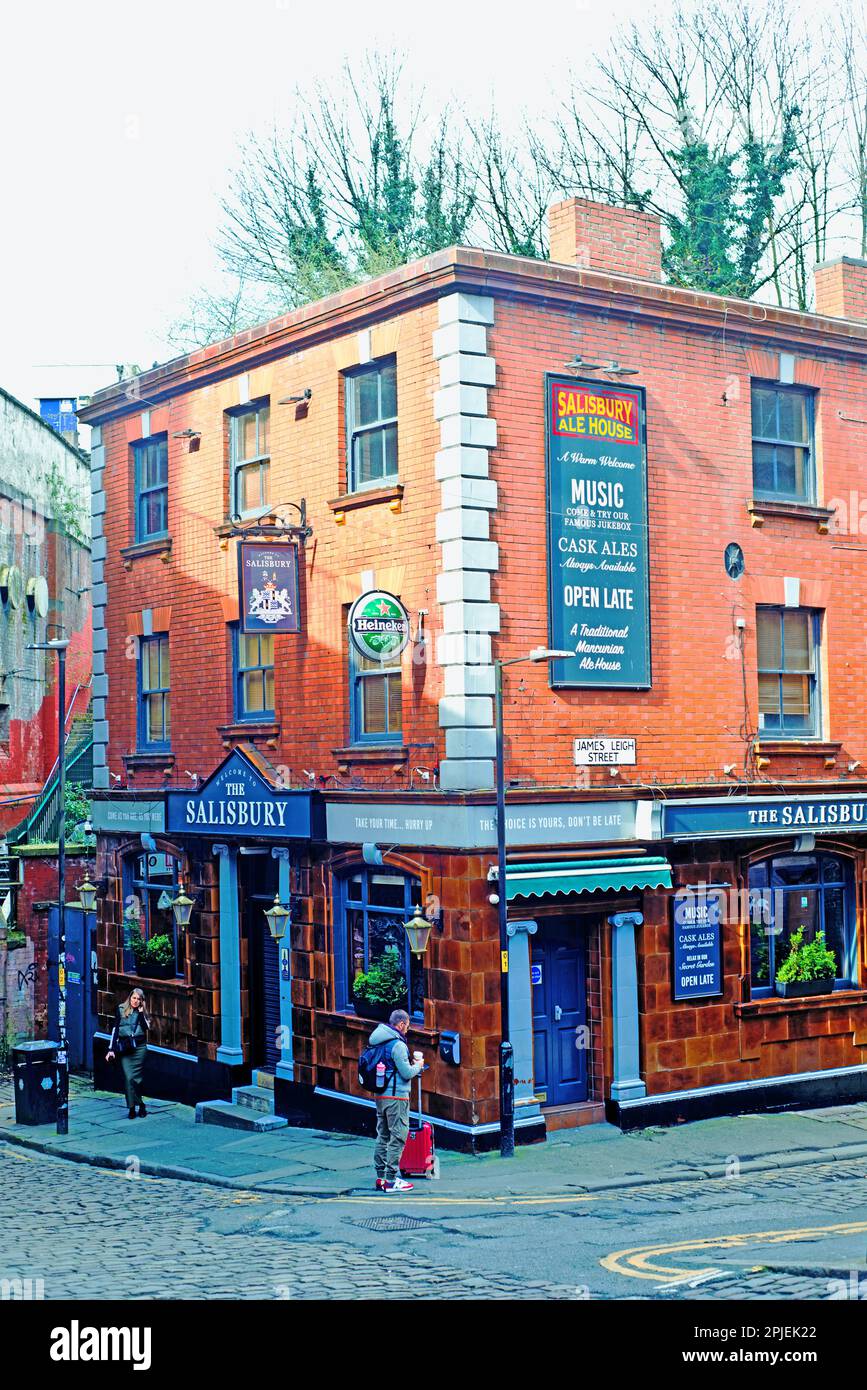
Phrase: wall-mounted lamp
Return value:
(306, 395)
(182, 907)
(187, 434)
(87, 894)
(194, 776)
(579, 365)
(615, 369)
(856, 763)
(277, 917)
(418, 930)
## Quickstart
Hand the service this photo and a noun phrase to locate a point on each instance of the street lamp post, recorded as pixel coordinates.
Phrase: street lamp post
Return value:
(59, 645)
(507, 1072)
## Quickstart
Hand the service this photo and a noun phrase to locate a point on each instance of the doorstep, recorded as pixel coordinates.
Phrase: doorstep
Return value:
(588, 1112)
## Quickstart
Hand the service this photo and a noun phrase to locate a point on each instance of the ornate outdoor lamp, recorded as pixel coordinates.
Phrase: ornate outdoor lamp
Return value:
(278, 917)
(182, 907)
(87, 894)
(418, 930)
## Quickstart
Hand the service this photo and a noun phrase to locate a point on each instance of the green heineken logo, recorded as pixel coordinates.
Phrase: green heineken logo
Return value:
(378, 625)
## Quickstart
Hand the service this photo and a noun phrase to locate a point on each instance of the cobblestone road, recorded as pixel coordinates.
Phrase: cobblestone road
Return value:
(90, 1233)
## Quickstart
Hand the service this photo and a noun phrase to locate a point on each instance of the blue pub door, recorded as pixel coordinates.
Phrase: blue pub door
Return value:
(559, 975)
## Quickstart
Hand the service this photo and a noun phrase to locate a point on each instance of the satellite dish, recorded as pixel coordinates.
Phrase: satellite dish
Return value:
(37, 596)
(12, 585)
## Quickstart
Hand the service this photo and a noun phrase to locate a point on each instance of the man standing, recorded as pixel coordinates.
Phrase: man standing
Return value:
(392, 1107)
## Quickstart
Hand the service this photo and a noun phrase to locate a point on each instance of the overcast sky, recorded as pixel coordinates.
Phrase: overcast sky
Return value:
(122, 121)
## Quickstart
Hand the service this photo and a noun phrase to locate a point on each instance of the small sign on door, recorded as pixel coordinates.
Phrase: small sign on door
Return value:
(536, 973)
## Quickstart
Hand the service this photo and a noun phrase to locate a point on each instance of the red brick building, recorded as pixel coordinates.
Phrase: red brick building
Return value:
(502, 449)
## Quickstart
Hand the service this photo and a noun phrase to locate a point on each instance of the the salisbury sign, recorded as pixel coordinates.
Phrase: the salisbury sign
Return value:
(773, 815)
(268, 587)
(598, 590)
(237, 801)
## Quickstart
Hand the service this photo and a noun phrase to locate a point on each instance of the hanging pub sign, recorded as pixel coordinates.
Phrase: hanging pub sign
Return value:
(268, 587)
(696, 939)
(379, 626)
(598, 584)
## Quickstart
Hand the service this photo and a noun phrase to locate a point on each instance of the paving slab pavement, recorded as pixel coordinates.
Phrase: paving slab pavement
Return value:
(309, 1162)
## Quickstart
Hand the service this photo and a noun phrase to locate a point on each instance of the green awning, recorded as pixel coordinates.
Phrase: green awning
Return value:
(585, 876)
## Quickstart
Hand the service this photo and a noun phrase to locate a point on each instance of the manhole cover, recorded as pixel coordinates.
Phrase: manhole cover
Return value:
(393, 1223)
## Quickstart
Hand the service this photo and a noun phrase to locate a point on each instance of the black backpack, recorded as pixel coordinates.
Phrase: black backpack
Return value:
(370, 1060)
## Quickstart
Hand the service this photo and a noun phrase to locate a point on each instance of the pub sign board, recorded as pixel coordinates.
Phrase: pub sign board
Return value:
(598, 564)
(237, 802)
(268, 587)
(696, 936)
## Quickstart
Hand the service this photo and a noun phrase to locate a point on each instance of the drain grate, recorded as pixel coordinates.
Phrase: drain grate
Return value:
(392, 1223)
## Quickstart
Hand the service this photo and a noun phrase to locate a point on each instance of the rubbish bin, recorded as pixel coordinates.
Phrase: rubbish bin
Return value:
(34, 1072)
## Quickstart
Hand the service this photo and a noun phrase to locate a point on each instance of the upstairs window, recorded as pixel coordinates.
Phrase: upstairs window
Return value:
(253, 654)
(788, 641)
(151, 467)
(250, 460)
(155, 728)
(376, 707)
(783, 443)
(371, 426)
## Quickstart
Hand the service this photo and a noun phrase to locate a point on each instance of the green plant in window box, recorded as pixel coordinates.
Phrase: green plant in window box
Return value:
(381, 988)
(160, 959)
(809, 968)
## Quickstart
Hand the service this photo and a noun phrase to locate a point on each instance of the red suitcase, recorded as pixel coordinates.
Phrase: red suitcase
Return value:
(419, 1159)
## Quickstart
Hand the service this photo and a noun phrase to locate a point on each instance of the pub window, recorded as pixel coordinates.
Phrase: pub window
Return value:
(788, 649)
(151, 470)
(374, 905)
(150, 883)
(789, 891)
(376, 705)
(371, 426)
(783, 443)
(154, 714)
(253, 662)
(250, 459)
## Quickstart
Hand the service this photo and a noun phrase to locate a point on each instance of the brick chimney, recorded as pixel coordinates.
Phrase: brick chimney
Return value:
(841, 288)
(597, 236)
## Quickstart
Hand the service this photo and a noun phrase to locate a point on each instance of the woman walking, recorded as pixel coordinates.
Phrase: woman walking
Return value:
(129, 1042)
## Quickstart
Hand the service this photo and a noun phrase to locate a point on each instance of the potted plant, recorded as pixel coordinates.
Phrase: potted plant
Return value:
(160, 962)
(809, 968)
(381, 988)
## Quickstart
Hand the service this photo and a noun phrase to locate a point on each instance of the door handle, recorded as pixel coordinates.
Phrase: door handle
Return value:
(558, 1013)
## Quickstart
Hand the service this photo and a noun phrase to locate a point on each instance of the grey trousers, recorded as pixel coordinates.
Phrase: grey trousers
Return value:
(392, 1127)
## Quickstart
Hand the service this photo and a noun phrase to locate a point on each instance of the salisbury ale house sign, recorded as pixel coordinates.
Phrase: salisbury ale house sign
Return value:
(598, 589)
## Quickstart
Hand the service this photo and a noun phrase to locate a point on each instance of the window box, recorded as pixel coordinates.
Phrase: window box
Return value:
(799, 989)
(149, 970)
(380, 1013)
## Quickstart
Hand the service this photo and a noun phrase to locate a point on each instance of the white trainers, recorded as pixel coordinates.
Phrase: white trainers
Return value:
(397, 1186)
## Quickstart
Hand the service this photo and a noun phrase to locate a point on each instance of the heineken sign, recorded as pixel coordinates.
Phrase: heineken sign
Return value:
(598, 587)
(378, 626)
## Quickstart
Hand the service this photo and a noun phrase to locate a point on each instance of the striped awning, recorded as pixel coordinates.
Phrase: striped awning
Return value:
(564, 878)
